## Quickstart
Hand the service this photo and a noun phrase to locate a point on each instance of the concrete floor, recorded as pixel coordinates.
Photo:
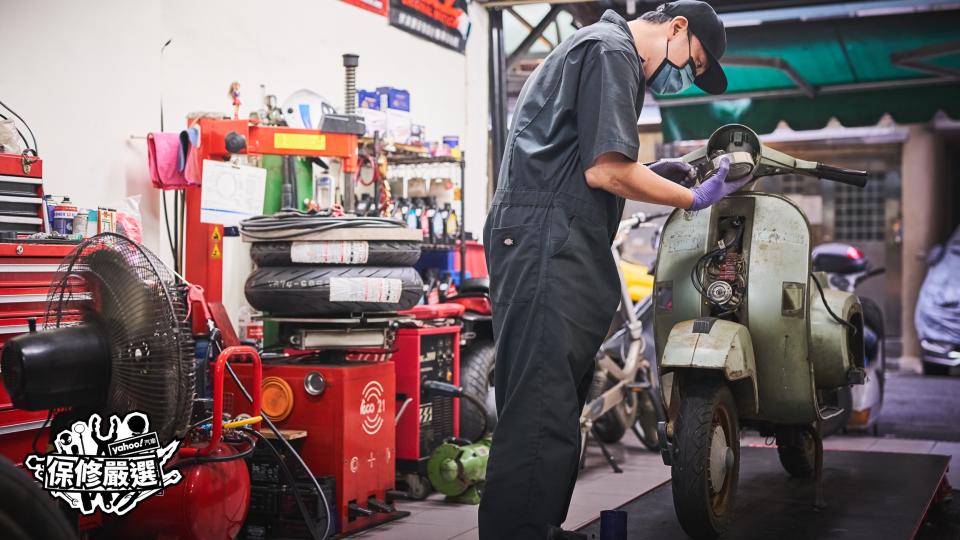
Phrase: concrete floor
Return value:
(915, 407)
(598, 488)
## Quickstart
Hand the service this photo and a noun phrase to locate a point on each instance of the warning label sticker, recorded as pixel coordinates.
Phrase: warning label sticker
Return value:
(215, 252)
(216, 234)
(365, 290)
(345, 252)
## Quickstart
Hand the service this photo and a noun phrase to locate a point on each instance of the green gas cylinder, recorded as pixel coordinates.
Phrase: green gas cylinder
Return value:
(459, 471)
(274, 185)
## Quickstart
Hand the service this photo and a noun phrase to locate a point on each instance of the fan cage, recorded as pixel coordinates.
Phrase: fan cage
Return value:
(119, 288)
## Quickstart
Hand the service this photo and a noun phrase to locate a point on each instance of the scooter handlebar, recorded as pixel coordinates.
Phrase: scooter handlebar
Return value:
(850, 177)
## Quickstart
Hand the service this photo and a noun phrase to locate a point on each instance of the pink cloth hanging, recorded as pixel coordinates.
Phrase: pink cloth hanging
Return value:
(163, 151)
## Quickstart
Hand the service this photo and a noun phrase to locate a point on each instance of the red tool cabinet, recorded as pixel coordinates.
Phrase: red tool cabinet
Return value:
(26, 270)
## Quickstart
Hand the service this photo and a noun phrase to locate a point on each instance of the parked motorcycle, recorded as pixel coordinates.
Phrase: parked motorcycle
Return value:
(845, 269)
(624, 393)
(746, 334)
(937, 316)
(476, 358)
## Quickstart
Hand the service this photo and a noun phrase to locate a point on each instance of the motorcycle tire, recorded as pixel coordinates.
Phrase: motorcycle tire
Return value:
(613, 424)
(28, 512)
(378, 253)
(647, 419)
(707, 419)
(797, 451)
(476, 378)
(306, 290)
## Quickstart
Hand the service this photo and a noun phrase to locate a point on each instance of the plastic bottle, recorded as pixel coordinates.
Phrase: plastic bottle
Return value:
(452, 229)
(437, 223)
(425, 214)
(413, 216)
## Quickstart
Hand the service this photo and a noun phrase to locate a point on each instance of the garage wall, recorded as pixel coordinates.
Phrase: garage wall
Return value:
(89, 75)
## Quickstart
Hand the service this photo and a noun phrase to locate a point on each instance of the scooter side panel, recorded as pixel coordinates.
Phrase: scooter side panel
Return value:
(684, 240)
(778, 310)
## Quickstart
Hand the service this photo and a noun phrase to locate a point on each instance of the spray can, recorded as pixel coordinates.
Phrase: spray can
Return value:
(63, 215)
(80, 222)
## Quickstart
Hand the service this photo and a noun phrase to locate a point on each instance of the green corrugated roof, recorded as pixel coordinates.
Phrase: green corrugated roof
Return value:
(826, 54)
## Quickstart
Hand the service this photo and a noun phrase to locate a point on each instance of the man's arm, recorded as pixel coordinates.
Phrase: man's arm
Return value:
(615, 173)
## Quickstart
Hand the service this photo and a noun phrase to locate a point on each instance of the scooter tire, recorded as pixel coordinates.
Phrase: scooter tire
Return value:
(379, 253)
(305, 290)
(476, 378)
(797, 451)
(704, 511)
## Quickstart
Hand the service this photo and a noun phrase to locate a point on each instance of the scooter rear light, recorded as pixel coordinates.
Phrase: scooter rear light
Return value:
(854, 253)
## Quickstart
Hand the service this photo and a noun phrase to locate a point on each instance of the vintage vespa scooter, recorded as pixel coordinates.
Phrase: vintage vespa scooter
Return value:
(746, 335)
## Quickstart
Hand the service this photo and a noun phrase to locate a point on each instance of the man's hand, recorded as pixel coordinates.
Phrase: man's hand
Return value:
(715, 187)
(675, 170)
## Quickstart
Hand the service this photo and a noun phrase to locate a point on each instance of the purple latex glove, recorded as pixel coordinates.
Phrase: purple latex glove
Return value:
(715, 187)
(675, 170)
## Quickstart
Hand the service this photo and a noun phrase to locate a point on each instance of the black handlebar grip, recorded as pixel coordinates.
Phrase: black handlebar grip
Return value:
(844, 176)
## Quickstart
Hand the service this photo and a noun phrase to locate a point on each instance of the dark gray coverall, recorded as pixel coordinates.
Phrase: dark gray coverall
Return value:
(554, 284)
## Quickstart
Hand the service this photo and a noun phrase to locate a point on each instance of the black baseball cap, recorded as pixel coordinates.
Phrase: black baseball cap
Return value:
(708, 28)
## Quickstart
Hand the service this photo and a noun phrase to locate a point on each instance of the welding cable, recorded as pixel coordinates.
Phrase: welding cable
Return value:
(300, 224)
(823, 297)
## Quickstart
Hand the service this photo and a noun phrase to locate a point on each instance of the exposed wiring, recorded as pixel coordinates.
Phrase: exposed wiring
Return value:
(25, 124)
(823, 297)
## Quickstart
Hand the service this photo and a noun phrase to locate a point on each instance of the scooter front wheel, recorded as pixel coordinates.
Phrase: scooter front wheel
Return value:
(706, 465)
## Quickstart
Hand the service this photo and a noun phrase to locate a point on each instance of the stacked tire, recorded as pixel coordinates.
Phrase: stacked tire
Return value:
(334, 277)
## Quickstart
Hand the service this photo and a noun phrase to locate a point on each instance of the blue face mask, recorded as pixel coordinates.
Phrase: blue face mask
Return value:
(670, 78)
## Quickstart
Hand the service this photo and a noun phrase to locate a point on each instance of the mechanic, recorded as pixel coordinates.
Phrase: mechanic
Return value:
(569, 163)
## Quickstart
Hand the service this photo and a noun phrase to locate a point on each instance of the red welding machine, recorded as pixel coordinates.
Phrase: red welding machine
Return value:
(344, 414)
(425, 353)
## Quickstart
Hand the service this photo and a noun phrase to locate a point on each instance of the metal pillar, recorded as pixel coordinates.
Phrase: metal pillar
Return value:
(498, 92)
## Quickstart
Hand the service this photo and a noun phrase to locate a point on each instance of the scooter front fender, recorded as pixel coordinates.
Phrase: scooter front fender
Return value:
(718, 345)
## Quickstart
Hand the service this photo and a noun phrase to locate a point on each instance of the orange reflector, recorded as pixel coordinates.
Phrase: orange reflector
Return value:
(859, 418)
(276, 398)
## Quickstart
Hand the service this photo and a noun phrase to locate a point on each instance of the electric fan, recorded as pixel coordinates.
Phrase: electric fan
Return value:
(116, 339)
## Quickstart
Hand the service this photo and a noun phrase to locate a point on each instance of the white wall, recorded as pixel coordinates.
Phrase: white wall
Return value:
(88, 75)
